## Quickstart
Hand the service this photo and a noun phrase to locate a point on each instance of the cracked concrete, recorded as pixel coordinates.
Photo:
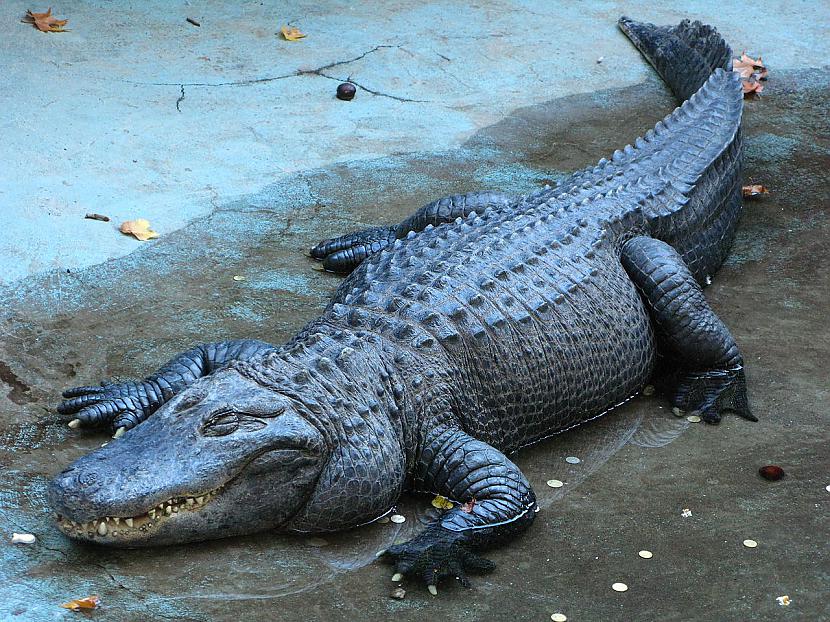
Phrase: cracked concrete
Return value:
(274, 167)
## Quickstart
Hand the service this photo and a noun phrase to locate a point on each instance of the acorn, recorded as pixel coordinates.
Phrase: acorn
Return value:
(346, 91)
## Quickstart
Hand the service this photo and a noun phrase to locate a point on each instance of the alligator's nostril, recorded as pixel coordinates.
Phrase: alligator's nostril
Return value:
(67, 470)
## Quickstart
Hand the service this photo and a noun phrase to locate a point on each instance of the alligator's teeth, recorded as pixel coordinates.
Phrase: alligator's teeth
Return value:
(200, 500)
(117, 520)
(190, 501)
(152, 513)
(175, 508)
(102, 528)
(129, 522)
(168, 510)
(107, 518)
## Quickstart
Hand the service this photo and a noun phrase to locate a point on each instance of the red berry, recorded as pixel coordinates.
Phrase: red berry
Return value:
(771, 472)
(346, 91)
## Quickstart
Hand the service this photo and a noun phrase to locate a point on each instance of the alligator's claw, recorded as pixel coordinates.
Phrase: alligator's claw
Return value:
(121, 405)
(435, 555)
(343, 254)
(710, 393)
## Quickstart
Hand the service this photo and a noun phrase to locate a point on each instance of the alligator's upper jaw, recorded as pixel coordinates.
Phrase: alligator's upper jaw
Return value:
(129, 530)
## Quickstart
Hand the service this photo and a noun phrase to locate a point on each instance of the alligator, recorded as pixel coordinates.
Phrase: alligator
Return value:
(482, 324)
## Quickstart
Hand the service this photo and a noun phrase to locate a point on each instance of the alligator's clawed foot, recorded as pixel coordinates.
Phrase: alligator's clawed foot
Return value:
(434, 555)
(122, 406)
(343, 254)
(712, 392)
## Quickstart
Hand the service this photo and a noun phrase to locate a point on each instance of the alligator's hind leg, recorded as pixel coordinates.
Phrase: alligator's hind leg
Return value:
(343, 254)
(124, 405)
(711, 368)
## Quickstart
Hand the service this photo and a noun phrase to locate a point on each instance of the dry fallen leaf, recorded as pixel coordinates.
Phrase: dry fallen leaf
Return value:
(291, 33)
(468, 507)
(442, 503)
(139, 229)
(90, 602)
(45, 22)
(753, 190)
(752, 71)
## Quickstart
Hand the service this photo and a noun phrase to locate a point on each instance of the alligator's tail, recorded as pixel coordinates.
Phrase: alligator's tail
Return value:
(684, 55)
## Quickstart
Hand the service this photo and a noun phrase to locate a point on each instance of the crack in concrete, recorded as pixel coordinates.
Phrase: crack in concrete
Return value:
(294, 74)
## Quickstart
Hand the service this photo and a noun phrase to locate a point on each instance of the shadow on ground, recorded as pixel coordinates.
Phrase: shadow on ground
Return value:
(640, 466)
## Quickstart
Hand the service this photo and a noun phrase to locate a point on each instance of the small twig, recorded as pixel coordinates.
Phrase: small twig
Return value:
(98, 217)
(190, 20)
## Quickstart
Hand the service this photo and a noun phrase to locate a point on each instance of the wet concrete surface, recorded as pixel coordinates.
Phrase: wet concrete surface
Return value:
(640, 466)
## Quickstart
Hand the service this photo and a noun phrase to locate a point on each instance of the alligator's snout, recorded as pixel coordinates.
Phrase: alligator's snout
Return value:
(225, 443)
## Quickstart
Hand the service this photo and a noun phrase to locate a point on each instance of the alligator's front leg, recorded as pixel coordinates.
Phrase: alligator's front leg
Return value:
(498, 503)
(711, 367)
(124, 405)
(343, 254)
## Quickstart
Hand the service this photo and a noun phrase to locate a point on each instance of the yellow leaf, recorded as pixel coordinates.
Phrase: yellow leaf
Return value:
(90, 602)
(139, 229)
(442, 503)
(291, 33)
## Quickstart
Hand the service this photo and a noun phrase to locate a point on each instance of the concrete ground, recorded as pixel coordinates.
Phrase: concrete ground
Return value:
(230, 141)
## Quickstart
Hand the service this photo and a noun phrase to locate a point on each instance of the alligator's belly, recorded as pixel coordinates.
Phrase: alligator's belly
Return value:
(584, 352)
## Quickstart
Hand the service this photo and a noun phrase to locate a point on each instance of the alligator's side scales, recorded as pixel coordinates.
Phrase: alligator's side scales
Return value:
(462, 335)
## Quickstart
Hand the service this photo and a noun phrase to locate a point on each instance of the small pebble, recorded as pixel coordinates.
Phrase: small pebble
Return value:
(600, 59)
(693, 419)
(398, 593)
(346, 91)
(238, 278)
(784, 601)
(827, 488)
(383, 520)
(646, 554)
(648, 390)
(397, 518)
(686, 513)
(555, 483)
(559, 617)
(23, 538)
(619, 587)
(677, 412)
(750, 544)
(572, 460)
(771, 472)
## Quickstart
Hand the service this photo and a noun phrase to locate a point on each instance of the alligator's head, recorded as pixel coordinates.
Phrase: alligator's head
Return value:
(226, 456)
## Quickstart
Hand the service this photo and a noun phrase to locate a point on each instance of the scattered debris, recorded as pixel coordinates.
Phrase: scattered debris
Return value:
(346, 91)
(468, 506)
(693, 419)
(100, 217)
(619, 587)
(750, 544)
(90, 602)
(555, 483)
(398, 593)
(784, 600)
(139, 229)
(559, 617)
(648, 390)
(572, 460)
(190, 20)
(686, 513)
(600, 59)
(23, 538)
(753, 190)
(827, 488)
(291, 33)
(677, 412)
(771, 472)
(237, 277)
(397, 519)
(442, 503)
(646, 554)
(751, 71)
(45, 22)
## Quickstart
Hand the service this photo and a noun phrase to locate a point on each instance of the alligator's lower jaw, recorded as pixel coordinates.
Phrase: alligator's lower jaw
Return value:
(118, 529)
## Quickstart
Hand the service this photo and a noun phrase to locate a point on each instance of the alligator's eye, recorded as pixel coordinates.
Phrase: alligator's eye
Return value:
(224, 423)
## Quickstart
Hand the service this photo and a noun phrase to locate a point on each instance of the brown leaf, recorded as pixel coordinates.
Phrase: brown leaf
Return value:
(90, 602)
(753, 190)
(139, 229)
(291, 33)
(468, 506)
(45, 22)
(752, 71)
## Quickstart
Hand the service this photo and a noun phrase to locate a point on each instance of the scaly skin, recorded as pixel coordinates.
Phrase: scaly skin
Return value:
(459, 337)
